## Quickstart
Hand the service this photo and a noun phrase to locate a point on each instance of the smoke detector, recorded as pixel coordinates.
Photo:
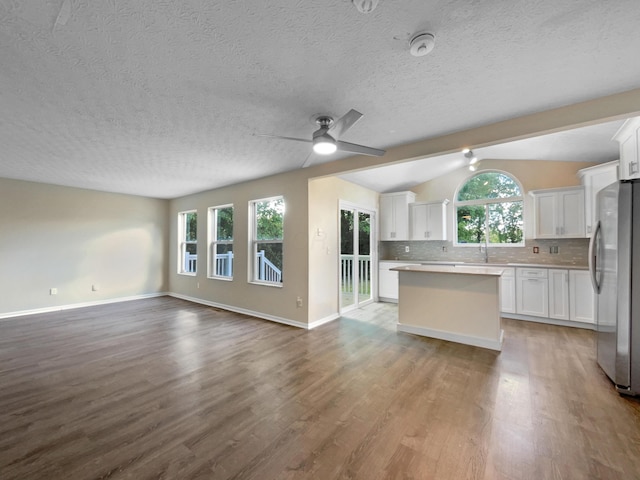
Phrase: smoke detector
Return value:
(365, 6)
(421, 44)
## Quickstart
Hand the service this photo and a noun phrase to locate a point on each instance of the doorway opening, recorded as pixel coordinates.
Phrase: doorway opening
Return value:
(357, 228)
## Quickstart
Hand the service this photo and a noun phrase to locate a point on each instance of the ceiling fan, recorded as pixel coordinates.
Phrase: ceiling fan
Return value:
(326, 141)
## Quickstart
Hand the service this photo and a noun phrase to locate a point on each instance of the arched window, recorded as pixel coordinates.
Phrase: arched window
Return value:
(489, 209)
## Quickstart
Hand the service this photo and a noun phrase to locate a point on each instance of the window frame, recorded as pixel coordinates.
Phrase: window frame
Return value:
(486, 202)
(254, 241)
(214, 242)
(183, 242)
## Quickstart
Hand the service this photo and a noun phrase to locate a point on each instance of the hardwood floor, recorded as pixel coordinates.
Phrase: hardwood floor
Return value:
(165, 389)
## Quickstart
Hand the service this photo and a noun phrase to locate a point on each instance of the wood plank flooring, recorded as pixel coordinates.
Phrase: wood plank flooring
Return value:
(166, 389)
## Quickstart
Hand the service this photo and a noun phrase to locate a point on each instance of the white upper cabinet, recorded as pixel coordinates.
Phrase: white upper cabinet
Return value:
(595, 179)
(629, 139)
(428, 220)
(394, 215)
(559, 213)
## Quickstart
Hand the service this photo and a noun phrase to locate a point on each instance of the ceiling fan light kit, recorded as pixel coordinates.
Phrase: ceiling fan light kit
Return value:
(324, 144)
(326, 140)
(421, 44)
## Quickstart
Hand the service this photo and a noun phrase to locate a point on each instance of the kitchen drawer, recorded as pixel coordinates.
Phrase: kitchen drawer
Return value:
(531, 272)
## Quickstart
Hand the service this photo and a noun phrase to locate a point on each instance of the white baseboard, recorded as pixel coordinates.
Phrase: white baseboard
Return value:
(324, 320)
(71, 306)
(453, 337)
(244, 311)
(549, 321)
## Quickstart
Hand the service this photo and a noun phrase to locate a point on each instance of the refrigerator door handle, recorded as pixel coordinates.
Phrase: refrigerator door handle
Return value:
(593, 257)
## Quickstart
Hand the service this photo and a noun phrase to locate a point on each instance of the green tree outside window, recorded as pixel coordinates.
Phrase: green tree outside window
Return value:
(489, 208)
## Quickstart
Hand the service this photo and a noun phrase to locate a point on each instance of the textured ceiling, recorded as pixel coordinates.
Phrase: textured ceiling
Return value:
(162, 98)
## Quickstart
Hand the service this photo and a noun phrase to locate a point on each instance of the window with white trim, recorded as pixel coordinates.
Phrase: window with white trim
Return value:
(267, 236)
(221, 242)
(188, 242)
(489, 209)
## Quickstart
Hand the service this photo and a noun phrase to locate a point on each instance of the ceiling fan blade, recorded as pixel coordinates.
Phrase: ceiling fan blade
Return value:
(344, 123)
(354, 148)
(305, 140)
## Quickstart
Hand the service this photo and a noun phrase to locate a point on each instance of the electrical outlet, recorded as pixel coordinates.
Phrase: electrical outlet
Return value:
(536, 249)
(299, 302)
(444, 248)
(94, 287)
(53, 291)
(406, 249)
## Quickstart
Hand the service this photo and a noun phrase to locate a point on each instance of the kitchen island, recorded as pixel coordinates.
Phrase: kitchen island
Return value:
(456, 303)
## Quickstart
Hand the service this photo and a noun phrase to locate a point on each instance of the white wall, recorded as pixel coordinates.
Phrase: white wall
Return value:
(71, 239)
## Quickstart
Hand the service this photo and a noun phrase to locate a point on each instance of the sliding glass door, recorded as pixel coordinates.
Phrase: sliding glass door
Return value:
(356, 256)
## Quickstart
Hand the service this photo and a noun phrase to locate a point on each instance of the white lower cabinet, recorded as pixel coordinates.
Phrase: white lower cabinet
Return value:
(508, 290)
(559, 294)
(581, 297)
(388, 281)
(553, 293)
(532, 292)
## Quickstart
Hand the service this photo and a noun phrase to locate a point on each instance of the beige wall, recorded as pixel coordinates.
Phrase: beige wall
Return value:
(278, 303)
(71, 239)
(325, 195)
(532, 175)
(122, 240)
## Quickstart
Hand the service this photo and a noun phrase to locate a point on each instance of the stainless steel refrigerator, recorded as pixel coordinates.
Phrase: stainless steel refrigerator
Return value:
(614, 261)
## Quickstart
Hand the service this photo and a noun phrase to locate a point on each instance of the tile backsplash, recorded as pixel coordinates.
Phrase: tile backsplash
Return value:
(571, 251)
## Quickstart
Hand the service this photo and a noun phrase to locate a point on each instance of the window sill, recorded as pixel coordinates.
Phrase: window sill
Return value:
(224, 279)
(266, 284)
(187, 274)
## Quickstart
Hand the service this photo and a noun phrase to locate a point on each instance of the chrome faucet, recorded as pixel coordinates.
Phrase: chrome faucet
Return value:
(485, 249)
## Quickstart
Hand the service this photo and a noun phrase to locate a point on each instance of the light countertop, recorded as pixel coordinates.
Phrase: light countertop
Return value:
(497, 265)
(457, 269)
